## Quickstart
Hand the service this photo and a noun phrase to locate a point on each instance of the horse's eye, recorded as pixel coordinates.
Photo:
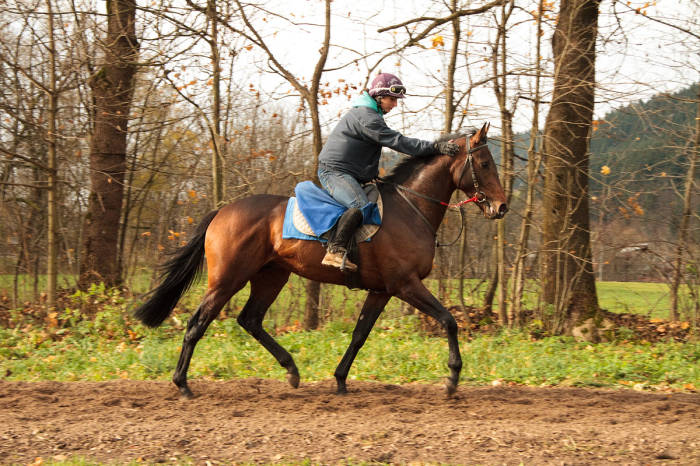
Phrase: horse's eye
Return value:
(484, 165)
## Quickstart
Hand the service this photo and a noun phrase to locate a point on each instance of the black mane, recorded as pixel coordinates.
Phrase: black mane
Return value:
(409, 165)
(448, 136)
(403, 170)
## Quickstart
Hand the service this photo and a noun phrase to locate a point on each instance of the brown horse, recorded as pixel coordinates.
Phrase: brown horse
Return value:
(243, 243)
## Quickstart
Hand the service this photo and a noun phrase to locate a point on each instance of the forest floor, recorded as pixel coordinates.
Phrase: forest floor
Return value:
(636, 327)
(260, 420)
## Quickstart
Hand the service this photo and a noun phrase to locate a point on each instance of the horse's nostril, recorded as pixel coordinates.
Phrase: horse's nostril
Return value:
(502, 209)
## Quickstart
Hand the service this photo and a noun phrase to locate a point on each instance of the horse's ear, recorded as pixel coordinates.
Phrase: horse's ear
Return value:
(481, 134)
(484, 130)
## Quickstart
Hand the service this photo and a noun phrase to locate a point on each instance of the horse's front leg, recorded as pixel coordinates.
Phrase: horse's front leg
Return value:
(417, 295)
(374, 305)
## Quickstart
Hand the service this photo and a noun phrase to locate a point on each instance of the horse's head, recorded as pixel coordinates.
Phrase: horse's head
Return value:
(475, 173)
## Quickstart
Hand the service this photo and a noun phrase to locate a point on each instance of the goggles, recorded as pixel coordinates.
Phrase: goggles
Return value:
(392, 89)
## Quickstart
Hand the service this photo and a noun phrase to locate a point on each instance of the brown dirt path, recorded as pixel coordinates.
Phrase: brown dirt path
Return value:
(267, 421)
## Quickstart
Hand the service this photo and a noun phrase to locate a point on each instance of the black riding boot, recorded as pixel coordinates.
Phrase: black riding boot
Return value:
(336, 256)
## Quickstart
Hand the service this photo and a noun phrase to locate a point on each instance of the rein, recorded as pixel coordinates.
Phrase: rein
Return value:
(478, 197)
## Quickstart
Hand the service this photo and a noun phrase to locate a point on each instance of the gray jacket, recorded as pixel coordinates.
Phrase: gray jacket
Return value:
(355, 144)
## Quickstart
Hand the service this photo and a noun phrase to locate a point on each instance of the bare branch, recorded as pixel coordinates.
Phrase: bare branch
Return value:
(440, 21)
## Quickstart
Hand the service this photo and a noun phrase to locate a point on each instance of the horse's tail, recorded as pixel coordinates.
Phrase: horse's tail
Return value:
(179, 272)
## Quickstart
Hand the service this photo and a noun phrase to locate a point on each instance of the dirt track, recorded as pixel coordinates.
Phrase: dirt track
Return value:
(267, 421)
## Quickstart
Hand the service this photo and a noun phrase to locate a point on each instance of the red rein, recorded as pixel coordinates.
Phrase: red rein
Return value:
(459, 204)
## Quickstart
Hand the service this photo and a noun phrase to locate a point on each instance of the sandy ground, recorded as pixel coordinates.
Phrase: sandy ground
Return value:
(267, 421)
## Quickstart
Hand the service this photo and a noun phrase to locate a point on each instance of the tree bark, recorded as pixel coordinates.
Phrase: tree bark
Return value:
(451, 70)
(52, 188)
(682, 245)
(313, 289)
(490, 292)
(217, 161)
(500, 84)
(533, 166)
(112, 88)
(567, 270)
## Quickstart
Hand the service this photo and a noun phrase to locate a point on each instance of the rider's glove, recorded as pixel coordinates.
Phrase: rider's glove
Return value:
(447, 148)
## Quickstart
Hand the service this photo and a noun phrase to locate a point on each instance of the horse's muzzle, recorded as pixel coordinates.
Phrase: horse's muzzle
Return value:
(496, 211)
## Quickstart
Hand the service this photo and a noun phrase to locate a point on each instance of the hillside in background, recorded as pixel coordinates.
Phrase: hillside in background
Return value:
(645, 149)
(645, 145)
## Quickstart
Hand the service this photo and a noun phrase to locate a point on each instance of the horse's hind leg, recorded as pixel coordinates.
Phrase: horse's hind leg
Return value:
(374, 305)
(207, 311)
(264, 288)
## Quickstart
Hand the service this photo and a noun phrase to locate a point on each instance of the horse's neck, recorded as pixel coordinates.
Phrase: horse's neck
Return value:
(434, 181)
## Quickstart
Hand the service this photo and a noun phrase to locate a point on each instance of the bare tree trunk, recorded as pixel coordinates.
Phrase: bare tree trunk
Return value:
(507, 154)
(493, 282)
(310, 96)
(313, 289)
(52, 188)
(311, 309)
(567, 270)
(451, 69)
(534, 159)
(463, 253)
(217, 161)
(685, 219)
(113, 88)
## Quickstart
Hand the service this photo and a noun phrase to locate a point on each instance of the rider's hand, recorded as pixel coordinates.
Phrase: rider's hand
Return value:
(447, 148)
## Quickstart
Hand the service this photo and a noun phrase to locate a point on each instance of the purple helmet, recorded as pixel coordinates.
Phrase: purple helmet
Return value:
(387, 84)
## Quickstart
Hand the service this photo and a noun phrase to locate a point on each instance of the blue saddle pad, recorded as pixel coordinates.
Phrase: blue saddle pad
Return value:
(321, 211)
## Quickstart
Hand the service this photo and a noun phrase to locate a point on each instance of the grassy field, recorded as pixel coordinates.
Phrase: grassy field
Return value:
(68, 347)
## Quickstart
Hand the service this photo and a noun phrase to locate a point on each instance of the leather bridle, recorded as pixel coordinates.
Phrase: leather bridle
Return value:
(478, 194)
(478, 197)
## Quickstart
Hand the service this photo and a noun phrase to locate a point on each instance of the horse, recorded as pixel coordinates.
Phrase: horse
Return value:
(242, 242)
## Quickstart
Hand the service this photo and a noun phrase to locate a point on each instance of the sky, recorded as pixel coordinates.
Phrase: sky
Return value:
(636, 57)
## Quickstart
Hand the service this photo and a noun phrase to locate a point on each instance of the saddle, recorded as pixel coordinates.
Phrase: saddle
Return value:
(312, 214)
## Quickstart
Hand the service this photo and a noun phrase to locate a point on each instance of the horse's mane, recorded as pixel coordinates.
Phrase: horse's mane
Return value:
(409, 165)
(461, 134)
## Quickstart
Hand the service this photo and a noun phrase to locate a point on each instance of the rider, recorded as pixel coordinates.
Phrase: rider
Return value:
(351, 154)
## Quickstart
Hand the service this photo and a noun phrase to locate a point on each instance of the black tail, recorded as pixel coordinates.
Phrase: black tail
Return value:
(179, 272)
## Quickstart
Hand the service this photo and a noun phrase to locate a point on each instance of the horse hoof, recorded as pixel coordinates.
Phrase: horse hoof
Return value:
(450, 387)
(186, 393)
(342, 389)
(293, 380)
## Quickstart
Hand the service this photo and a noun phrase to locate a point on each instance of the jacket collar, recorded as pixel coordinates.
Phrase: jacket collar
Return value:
(365, 100)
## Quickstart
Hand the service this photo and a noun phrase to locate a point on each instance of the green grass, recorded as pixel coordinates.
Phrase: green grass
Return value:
(650, 299)
(113, 346)
(66, 346)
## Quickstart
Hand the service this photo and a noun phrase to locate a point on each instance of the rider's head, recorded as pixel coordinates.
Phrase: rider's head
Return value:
(386, 89)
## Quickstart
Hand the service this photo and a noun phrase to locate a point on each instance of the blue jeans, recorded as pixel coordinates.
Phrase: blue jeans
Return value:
(343, 188)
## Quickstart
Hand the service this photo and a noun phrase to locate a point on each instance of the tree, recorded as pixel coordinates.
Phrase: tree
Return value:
(682, 245)
(453, 98)
(52, 185)
(112, 90)
(42, 60)
(500, 87)
(567, 271)
(534, 160)
(310, 95)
